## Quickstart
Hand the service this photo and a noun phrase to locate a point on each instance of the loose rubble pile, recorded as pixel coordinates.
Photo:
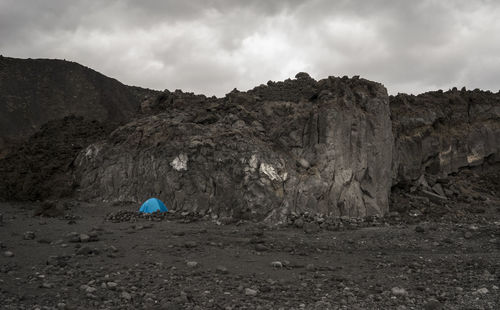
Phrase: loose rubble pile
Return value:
(134, 216)
(467, 197)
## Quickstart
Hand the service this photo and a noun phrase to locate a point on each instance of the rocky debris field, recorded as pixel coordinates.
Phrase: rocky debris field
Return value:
(423, 255)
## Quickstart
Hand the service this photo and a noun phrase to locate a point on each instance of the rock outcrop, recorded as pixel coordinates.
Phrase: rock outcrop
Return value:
(41, 167)
(437, 133)
(35, 91)
(326, 147)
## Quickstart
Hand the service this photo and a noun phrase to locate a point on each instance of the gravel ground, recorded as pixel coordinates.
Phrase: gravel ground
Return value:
(108, 257)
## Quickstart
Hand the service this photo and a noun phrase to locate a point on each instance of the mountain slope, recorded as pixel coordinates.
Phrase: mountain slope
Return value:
(35, 91)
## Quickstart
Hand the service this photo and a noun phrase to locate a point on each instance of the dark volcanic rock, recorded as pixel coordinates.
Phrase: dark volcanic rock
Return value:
(41, 167)
(438, 133)
(297, 145)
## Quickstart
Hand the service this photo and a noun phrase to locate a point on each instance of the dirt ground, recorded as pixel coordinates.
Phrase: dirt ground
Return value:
(427, 253)
(83, 261)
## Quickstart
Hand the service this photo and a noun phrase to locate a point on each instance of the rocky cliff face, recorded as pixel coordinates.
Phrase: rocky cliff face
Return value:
(325, 147)
(35, 91)
(437, 133)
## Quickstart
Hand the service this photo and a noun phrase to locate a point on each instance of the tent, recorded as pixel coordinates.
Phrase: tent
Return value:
(153, 205)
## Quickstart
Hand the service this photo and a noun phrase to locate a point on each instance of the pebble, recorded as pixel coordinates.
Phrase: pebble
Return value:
(29, 235)
(419, 229)
(73, 237)
(310, 267)
(84, 250)
(190, 244)
(250, 292)
(93, 236)
(47, 285)
(8, 253)
(299, 223)
(259, 247)
(192, 264)
(482, 291)
(221, 270)
(84, 238)
(277, 264)
(468, 235)
(126, 296)
(433, 304)
(61, 306)
(112, 285)
(398, 291)
(311, 228)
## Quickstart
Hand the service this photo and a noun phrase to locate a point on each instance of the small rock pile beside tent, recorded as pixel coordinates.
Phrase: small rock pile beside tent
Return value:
(153, 205)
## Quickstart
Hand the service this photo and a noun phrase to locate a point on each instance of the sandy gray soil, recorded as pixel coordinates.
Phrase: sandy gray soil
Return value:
(83, 261)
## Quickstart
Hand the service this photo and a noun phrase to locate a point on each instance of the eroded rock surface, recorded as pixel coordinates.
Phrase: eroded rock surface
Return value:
(326, 147)
(437, 133)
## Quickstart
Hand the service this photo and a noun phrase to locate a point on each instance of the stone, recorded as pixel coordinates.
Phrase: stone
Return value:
(433, 304)
(192, 264)
(311, 227)
(90, 289)
(259, 247)
(190, 244)
(434, 197)
(111, 285)
(310, 267)
(438, 189)
(84, 238)
(277, 264)
(73, 237)
(482, 291)
(221, 270)
(126, 296)
(419, 229)
(84, 250)
(8, 254)
(398, 291)
(250, 292)
(29, 235)
(49, 209)
(299, 223)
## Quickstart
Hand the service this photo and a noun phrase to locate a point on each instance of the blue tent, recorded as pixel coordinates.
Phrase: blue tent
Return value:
(153, 205)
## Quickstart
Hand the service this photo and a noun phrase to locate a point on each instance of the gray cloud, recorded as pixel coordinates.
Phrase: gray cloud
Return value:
(212, 46)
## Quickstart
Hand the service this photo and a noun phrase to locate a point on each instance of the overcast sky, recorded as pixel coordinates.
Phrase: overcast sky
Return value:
(213, 46)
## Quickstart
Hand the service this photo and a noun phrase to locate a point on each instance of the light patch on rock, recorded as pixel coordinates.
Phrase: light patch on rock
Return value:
(180, 162)
(474, 157)
(269, 171)
(92, 151)
(344, 176)
(253, 162)
(444, 156)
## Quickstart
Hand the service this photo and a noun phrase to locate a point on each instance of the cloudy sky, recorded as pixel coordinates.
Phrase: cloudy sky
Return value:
(213, 46)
